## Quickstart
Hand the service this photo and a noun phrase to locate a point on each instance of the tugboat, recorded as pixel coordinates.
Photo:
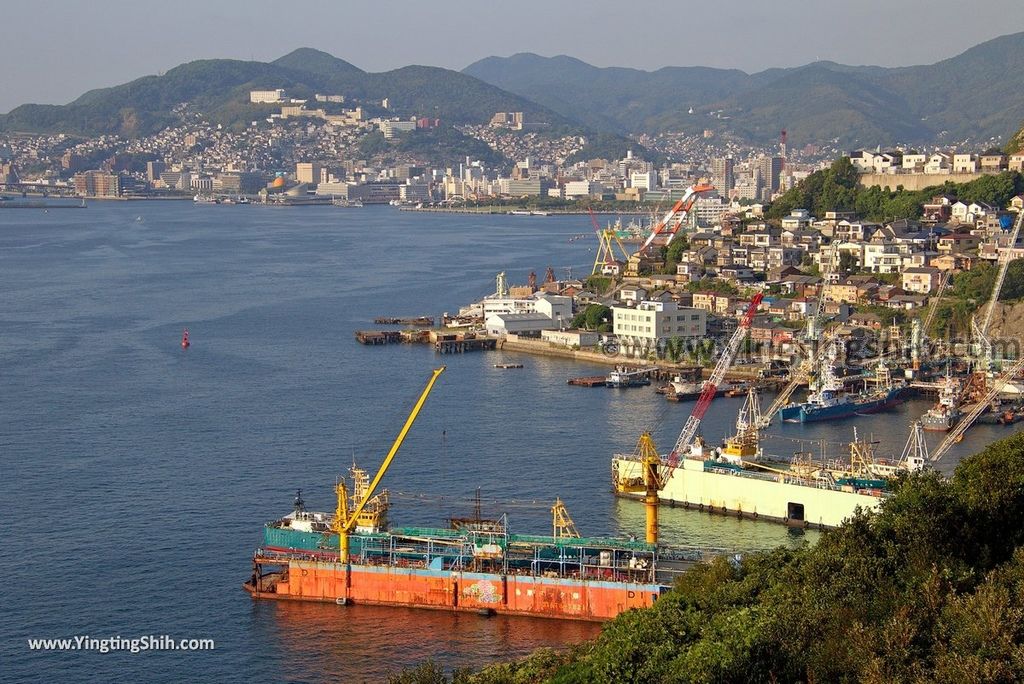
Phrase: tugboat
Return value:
(623, 377)
(943, 416)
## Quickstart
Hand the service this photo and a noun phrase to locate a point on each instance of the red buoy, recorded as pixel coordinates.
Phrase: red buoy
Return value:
(184, 339)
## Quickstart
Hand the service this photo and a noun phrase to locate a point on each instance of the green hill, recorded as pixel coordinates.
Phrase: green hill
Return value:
(975, 96)
(219, 88)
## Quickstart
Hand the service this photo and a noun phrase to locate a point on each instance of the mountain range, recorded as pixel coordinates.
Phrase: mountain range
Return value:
(975, 97)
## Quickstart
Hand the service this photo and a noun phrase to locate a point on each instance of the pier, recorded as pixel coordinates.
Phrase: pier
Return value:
(424, 321)
(459, 346)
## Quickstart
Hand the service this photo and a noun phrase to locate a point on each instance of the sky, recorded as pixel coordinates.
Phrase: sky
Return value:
(54, 50)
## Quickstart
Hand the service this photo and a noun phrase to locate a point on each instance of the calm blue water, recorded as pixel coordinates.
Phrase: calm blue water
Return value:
(137, 475)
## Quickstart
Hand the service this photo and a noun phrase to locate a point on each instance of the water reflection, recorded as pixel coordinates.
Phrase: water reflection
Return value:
(325, 642)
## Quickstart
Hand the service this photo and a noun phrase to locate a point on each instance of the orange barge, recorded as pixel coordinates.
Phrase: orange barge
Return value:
(477, 566)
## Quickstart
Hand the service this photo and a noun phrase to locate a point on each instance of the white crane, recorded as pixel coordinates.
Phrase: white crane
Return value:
(1004, 266)
(803, 371)
(957, 433)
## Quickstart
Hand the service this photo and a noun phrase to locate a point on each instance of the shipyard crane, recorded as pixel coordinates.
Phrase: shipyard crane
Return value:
(607, 240)
(957, 433)
(803, 371)
(673, 219)
(711, 384)
(936, 299)
(981, 332)
(345, 521)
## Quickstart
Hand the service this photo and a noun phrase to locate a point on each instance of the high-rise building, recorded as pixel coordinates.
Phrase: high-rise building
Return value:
(771, 173)
(154, 169)
(308, 172)
(722, 176)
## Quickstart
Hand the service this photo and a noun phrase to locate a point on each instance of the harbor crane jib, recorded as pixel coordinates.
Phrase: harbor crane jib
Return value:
(345, 521)
(707, 394)
(673, 219)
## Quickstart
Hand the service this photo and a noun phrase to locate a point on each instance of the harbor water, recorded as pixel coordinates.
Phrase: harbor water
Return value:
(138, 474)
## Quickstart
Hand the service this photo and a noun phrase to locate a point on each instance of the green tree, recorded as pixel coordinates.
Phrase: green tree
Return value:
(594, 317)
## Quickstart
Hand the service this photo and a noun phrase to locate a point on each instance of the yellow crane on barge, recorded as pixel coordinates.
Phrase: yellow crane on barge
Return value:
(345, 521)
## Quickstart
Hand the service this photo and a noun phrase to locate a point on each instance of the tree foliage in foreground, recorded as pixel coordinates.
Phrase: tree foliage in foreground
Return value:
(928, 589)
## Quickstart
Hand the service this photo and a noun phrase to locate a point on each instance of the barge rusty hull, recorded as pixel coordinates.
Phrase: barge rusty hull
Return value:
(489, 593)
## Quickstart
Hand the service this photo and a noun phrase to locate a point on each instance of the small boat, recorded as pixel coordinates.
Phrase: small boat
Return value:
(621, 377)
(508, 365)
(185, 344)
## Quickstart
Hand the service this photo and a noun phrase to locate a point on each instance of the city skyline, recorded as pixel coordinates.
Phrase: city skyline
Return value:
(747, 36)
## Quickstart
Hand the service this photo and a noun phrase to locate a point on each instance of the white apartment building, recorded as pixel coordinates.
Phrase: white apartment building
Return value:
(965, 163)
(389, 128)
(554, 307)
(582, 188)
(266, 96)
(882, 258)
(644, 181)
(914, 162)
(650, 321)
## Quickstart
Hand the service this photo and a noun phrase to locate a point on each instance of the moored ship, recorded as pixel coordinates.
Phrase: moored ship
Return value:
(943, 416)
(478, 567)
(830, 401)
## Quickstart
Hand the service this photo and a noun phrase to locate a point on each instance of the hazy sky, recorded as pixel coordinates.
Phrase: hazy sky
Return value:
(53, 51)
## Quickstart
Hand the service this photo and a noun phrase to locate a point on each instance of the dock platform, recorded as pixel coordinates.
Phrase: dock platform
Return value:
(589, 381)
(377, 337)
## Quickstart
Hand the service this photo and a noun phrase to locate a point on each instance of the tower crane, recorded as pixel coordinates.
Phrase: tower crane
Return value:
(981, 332)
(919, 330)
(345, 520)
(957, 433)
(711, 384)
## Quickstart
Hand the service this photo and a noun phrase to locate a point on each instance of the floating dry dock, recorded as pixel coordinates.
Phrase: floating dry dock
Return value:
(484, 570)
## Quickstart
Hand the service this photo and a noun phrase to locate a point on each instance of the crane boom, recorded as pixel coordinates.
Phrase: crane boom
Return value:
(347, 525)
(680, 208)
(1004, 266)
(717, 375)
(930, 318)
(800, 376)
(957, 433)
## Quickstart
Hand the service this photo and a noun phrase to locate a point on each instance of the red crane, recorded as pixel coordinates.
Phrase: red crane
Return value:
(711, 385)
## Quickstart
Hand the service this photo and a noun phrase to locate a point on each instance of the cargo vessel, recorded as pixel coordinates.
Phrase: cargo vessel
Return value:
(353, 556)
